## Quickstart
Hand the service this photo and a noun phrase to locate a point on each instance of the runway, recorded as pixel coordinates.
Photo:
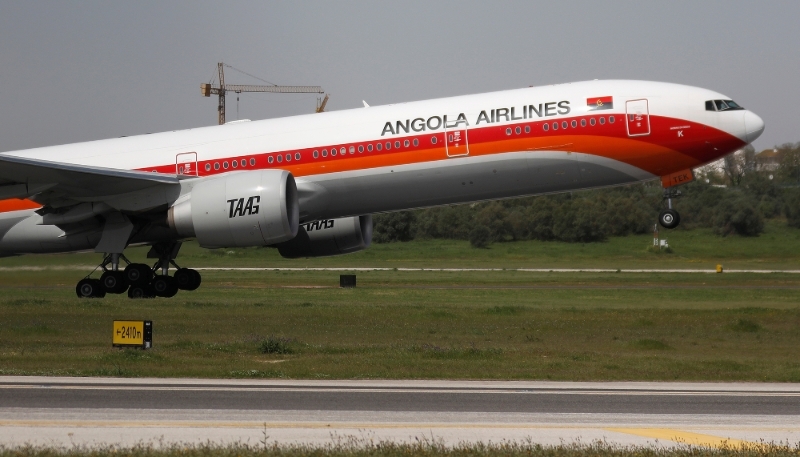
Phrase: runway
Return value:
(46, 410)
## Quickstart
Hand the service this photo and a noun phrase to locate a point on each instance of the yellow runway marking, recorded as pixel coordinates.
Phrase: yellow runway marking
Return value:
(695, 439)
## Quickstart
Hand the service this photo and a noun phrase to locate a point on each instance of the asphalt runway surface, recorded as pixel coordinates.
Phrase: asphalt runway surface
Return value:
(91, 411)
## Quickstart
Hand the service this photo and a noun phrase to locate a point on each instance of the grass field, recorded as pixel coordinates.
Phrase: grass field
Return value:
(415, 324)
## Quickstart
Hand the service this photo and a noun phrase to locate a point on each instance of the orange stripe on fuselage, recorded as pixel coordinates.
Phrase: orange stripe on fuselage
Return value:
(15, 204)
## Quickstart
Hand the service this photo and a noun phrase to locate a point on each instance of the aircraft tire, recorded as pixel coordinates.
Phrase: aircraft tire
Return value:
(114, 282)
(669, 218)
(140, 291)
(164, 286)
(90, 288)
(188, 279)
(184, 278)
(138, 274)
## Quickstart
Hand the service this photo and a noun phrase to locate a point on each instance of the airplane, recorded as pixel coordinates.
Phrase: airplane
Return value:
(308, 185)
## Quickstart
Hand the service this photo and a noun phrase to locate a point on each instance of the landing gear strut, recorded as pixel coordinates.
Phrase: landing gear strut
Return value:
(139, 279)
(669, 218)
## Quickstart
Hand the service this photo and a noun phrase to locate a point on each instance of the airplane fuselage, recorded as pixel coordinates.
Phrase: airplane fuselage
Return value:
(445, 151)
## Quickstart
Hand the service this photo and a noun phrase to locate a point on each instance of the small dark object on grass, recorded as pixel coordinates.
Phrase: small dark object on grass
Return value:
(745, 325)
(480, 236)
(347, 280)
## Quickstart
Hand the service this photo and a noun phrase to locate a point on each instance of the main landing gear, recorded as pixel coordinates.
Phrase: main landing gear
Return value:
(138, 279)
(669, 218)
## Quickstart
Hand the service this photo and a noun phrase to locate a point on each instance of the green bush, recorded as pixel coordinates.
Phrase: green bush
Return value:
(480, 236)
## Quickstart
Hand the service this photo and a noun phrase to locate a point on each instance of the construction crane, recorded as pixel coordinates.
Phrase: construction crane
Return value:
(321, 103)
(207, 90)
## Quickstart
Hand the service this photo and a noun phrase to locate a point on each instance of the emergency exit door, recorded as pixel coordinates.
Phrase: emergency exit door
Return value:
(186, 163)
(638, 117)
(456, 142)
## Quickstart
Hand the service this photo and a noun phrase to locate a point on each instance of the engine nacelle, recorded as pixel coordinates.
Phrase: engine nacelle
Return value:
(249, 208)
(329, 237)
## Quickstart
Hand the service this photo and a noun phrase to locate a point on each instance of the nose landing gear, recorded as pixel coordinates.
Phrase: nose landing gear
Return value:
(669, 218)
(141, 280)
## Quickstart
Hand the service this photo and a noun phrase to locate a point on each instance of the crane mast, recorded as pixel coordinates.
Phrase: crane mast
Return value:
(208, 89)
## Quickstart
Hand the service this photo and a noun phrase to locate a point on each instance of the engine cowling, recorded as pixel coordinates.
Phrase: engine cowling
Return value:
(329, 237)
(249, 208)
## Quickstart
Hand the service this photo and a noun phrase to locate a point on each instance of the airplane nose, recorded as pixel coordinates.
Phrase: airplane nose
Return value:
(753, 126)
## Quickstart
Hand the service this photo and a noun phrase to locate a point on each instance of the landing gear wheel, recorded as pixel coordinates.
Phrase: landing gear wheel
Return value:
(114, 282)
(90, 288)
(669, 218)
(141, 291)
(138, 274)
(164, 286)
(187, 279)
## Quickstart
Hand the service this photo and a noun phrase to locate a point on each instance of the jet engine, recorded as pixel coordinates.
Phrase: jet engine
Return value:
(249, 208)
(329, 237)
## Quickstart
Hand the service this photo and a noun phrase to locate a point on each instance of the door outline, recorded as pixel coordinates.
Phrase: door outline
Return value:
(629, 116)
(452, 135)
(183, 159)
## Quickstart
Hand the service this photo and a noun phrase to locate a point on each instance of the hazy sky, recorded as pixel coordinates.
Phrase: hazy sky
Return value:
(83, 70)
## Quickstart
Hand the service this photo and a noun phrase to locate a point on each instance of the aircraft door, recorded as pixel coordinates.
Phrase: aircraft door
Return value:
(186, 164)
(456, 142)
(638, 117)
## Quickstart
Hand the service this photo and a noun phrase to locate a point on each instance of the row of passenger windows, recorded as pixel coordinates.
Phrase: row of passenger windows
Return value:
(342, 152)
(234, 164)
(564, 125)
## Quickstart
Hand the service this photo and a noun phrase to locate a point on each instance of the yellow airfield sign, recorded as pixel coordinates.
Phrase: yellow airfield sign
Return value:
(132, 334)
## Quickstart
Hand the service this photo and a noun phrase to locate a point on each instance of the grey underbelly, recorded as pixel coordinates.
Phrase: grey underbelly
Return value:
(459, 180)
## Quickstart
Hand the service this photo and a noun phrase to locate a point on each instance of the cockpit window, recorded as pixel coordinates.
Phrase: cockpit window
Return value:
(722, 105)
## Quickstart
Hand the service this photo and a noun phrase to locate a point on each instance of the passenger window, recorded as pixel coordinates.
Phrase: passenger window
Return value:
(574, 123)
(333, 152)
(352, 149)
(297, 156)
(583, 122)
(369, 148)
(280, 158)
(397, 145)
(288, 157)
(269, 159)
(341, 151)
(611, 119)
(406, 143)
(416, 142)
(244, 163)
(388, 145)
(324, 153)
(545, 127)
(564, 124)
(360, 148)
(527, 129)
(555, 125)
(252, 162)
(433, 140)
(378, 146)
(508, 131)
(235, 164)
(602, 120)
(316, 154)
(592, 121)
(517, 130)
(208, 167)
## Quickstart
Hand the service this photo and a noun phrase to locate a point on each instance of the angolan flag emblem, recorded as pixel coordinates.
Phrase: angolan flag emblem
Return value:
(598, 103)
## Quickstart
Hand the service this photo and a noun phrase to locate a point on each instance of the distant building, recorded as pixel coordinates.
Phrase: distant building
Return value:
(768, 160)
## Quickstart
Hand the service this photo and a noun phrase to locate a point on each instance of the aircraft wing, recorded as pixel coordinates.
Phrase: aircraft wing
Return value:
(63, 184)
